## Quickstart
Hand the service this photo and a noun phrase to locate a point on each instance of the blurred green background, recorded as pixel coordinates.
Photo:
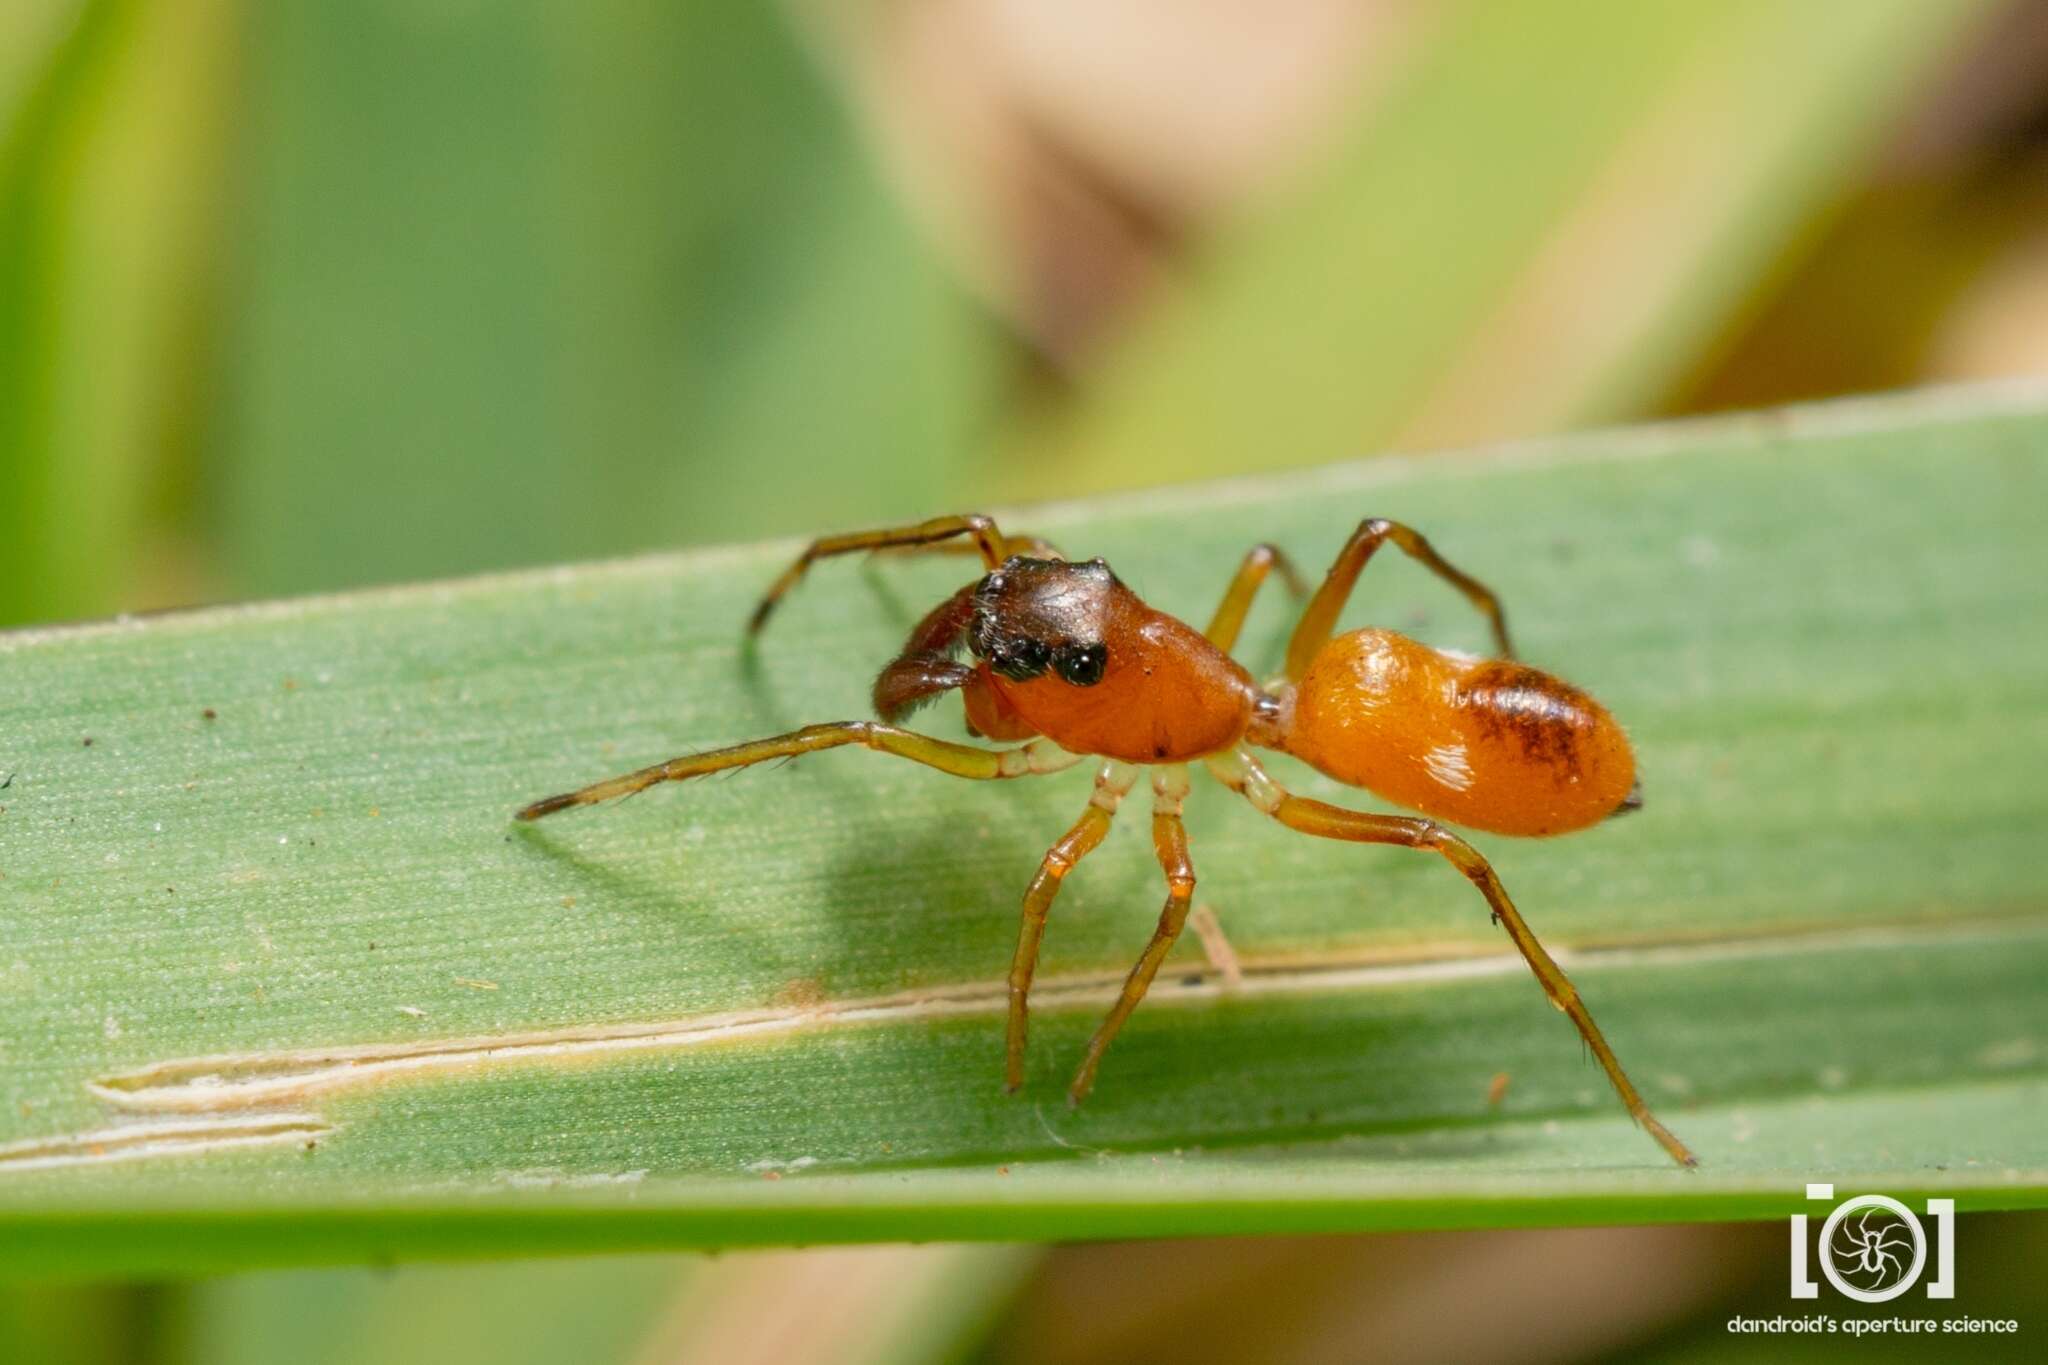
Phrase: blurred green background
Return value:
(304, 294)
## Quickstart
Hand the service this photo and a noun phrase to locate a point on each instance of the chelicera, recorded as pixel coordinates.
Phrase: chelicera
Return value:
(1066, 663)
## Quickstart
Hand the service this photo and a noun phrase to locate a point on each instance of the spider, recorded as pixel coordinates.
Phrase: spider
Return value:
(1066, 663)
(1872, 1252)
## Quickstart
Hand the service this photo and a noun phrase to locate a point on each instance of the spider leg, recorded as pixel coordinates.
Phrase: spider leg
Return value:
(1111, 782)
(1034, 547)
(987, 539)
(1320, 619)
(1240, 772)
(1170, 842)
(961, 760)
(1260, 560)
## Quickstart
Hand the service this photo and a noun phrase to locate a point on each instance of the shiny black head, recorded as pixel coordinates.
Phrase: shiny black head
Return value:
(1034, 615)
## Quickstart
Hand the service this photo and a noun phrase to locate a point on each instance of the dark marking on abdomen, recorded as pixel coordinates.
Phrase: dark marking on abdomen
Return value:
(1543, 715)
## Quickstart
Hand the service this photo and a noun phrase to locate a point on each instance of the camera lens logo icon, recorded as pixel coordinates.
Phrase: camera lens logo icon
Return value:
(1872, 1248)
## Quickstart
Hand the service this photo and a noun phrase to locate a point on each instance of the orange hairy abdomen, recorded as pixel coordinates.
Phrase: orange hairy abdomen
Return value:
(1481, 742)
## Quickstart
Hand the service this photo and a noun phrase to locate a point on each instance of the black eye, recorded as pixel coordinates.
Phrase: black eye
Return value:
(1081, 665)
(1021, 660)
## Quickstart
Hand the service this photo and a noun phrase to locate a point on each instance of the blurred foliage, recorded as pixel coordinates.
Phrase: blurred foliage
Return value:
(1542, 222)
(531, 281)
(296, 294)
(1410, 1300)
(303, 294)
(427, 288)
(528, 1314)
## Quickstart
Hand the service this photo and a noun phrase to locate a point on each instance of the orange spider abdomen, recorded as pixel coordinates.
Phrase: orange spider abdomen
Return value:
(1487, 743)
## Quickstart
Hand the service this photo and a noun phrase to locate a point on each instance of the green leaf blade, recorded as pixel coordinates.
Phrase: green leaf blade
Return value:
(1816, 949)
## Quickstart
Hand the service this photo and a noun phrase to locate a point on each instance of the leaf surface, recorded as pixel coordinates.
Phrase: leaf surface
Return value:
(280, 981)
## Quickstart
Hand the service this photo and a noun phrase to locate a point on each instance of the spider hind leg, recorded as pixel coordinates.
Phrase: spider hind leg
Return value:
(1241, 773)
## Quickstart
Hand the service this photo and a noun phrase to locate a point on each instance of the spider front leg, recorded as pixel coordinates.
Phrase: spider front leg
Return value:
(1242, 774)
(961, 760)
(1170, 842)
(1030, 546)
(1112, 781)
(990, 542)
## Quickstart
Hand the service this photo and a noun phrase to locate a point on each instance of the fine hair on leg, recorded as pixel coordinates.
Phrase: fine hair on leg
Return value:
(988, 541)
(961, 760)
